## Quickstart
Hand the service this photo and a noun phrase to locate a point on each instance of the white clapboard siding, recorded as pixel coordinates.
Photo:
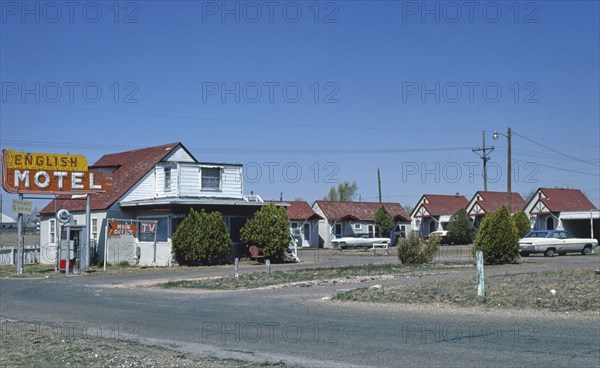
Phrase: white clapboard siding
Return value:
(231, 181)
(179, 155)
(144, 189)
(190, 180)
(186, 182)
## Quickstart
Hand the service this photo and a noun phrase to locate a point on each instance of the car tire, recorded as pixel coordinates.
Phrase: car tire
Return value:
(587, 250)
(549, 252)
(524, 254)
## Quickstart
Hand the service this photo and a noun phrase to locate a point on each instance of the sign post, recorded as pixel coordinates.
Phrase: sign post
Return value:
(21, 206)
(20, 240)
(44, 173)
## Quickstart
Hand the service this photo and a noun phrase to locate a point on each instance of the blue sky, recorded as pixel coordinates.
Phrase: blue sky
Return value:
(306, 94)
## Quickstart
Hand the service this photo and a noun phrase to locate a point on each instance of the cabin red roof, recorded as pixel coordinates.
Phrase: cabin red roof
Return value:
(129, 168)
(443, 205)
(561, 200)
(360, 211)
(299, 210)
(492, 201)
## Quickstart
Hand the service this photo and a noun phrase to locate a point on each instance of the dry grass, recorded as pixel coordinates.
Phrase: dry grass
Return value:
(257, 280)
(574, 290)
(35, 345)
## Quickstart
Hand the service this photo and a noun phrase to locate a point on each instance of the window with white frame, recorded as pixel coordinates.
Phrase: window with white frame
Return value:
(94, 229)
(295, 229)
(357, 226)
(167, 178)
(210, 178)
(52, 231)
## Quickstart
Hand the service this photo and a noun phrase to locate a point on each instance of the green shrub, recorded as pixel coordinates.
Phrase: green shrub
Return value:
(412, 250)
(521, 223)
(497, 238)
(384, 221)
(269, 230)
(460, 228)
(201, 238)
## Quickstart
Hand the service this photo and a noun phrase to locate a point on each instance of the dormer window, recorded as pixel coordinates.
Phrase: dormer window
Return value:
(210, 178)
(167, 178)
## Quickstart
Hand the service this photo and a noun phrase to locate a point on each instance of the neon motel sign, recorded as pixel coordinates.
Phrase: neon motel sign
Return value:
(43, 173)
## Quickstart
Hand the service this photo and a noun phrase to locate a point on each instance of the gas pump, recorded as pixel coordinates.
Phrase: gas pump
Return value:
(70, 250)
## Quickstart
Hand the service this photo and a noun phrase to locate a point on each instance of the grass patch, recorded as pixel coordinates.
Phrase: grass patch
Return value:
(35, 345)
(47, 270)
(575, 290)
(29, 270)
(256, 280)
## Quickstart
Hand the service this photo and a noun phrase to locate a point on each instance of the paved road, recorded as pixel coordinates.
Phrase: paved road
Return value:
(296, 326)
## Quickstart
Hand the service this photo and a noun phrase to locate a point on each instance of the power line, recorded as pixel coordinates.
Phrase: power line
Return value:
(294, 151)
(250, 122)
(553, 150)
(563, 169)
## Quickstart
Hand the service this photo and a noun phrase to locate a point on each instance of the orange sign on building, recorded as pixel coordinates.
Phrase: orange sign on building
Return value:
(43, 173)
(120, 228)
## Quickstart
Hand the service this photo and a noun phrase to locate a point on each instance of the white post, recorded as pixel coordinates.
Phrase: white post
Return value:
(592, 224)
(268, 264)
(155, 237)
(85, 244)
(480, 281)
(236, 268)
(105, 242)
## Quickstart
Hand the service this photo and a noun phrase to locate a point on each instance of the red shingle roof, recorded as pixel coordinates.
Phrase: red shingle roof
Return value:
(492, 201)
(360, 211)
(299, 210)
(130, 167)
(444, 205)
(561, 200)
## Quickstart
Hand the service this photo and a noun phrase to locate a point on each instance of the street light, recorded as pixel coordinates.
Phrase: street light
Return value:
(508, 181)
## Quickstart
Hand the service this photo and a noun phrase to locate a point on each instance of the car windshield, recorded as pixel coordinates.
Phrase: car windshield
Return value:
(537, 234)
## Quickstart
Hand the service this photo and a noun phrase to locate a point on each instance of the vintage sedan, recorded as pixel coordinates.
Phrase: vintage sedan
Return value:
(359, 241)
(442, 234)
(551, 242)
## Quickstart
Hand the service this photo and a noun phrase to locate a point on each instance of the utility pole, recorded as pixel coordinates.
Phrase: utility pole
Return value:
(379, 184)
(509, 173)
(484, 155)
(508, 136)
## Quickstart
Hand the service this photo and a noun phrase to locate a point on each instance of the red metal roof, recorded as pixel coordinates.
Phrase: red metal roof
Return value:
(130, 167)
(492, 201)
(561, 200)
(444, 205)
(299, 210)
(360, 211)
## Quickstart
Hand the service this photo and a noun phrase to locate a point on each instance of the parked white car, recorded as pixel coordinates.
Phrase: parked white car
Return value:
(359, 240)
(551, 242)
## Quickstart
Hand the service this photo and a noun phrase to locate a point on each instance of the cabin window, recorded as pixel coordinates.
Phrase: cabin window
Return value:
(357, 226)
(52, 231)
(295, 230)
(94, 229)
(167, 179)
(338, 230)
(211, 178)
